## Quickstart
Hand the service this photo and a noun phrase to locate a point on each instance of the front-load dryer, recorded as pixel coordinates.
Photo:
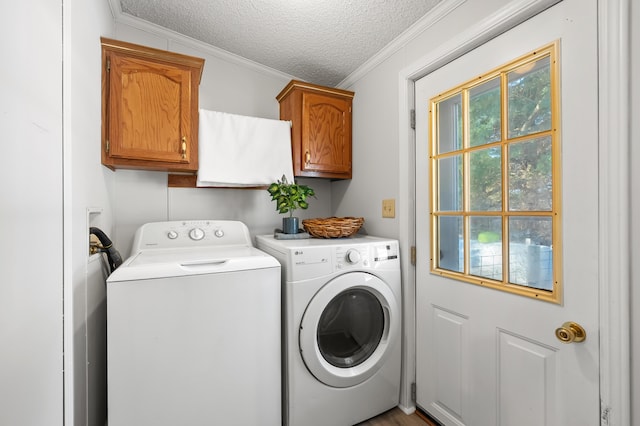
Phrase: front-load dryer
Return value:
(341, 328)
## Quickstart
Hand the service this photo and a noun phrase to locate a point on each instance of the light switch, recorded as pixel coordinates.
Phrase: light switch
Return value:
(389, 208)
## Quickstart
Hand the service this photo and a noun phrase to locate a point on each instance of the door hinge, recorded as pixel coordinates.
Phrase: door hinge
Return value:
(413, 391)
(412, 118)
(413, 255)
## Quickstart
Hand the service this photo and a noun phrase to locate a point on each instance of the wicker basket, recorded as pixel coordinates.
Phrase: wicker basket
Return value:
(333, 227)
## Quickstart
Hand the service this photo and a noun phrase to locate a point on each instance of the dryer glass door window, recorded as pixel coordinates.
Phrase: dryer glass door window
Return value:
(350, 328)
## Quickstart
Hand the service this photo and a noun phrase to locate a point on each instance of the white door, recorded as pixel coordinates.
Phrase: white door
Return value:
(488, 357)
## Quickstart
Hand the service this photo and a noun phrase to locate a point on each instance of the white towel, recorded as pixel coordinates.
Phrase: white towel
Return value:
(239, 151)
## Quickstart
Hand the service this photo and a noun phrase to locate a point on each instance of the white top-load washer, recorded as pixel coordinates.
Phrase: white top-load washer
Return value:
(342, 328)
(193, 328)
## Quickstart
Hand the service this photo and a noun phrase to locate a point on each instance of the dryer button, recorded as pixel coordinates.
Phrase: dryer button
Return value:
(353, 256)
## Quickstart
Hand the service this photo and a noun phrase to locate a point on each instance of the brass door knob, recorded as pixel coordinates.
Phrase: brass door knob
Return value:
(571, 332)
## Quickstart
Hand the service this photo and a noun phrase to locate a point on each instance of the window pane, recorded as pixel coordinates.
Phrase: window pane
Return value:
(530, 252)
(484, 113)
(530, 98)
(486, 180)
(486, 247)
(450, 243)
(449, 124)
(530, 180)
(495, 178)
(450, 183)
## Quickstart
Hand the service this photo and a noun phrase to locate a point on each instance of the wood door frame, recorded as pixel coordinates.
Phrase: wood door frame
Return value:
(614, 183)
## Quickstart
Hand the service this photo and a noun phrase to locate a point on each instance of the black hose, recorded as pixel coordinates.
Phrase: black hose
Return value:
(113, 256)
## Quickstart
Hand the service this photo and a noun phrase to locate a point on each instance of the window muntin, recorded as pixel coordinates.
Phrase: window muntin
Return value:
(495, 201)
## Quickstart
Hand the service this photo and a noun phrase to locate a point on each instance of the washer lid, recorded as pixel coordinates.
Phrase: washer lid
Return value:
(162, 263)
(349, 329)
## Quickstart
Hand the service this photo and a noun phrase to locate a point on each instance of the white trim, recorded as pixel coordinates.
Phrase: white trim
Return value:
(514, 13)
(123, 18)
(68, 313)
(614, 124)
(407, 238)
(614, 226)
(116, 8)
(441, 10)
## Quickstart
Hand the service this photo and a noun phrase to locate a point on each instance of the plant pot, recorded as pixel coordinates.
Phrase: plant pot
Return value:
(290, 225)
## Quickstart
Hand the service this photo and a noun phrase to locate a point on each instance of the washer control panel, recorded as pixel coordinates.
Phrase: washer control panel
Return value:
(191, 233)
(351, 256)
(304, 259)
(368, 255)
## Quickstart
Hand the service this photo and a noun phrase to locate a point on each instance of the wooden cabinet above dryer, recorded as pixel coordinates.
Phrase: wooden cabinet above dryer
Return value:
(321, 132)
(149, 108)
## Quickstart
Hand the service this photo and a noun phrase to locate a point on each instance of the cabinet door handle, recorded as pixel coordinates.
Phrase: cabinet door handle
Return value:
(307, 157)
(184, 147)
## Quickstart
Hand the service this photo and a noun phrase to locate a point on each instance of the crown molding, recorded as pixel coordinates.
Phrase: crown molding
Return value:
(441, 10)
(174, 37)
(436, 14)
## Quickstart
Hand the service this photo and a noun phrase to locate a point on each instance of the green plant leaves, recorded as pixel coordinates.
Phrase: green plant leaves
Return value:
(289, 196)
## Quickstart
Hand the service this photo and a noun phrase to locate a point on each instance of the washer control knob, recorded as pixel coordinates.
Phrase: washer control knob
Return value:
(353, 256)
(172, 235)
(196, 234)
(219, 233)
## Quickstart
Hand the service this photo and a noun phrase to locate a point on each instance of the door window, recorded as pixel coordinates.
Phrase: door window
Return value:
(350, 328)
(495, 202)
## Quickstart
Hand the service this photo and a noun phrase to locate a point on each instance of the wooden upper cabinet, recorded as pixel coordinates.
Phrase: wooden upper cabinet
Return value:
(321, 132)
(149, 108)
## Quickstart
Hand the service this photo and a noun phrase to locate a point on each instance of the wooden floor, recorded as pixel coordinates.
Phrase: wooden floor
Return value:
(396, 417)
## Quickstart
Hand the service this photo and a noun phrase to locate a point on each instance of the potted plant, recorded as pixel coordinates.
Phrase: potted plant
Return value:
(289, 197)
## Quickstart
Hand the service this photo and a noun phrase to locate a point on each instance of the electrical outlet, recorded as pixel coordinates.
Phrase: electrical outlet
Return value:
(389, 208)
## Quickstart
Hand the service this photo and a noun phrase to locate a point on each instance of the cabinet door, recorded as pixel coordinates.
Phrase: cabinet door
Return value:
(149, 109)
(326, 134)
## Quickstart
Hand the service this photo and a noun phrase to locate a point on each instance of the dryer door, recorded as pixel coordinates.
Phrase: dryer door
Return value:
(349, 329)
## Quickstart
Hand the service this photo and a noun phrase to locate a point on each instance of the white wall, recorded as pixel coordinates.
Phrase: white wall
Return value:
(635, 213)
(31, 382)
(86, 203)
(229, 84)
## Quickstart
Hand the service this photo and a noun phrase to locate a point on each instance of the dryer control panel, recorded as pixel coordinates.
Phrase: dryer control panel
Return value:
(365, 256)
(191, 233)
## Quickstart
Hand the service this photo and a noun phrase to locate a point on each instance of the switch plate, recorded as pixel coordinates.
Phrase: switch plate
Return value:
(389, 208)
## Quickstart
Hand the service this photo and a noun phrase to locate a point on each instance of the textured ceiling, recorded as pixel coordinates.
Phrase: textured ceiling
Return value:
(320, 41)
